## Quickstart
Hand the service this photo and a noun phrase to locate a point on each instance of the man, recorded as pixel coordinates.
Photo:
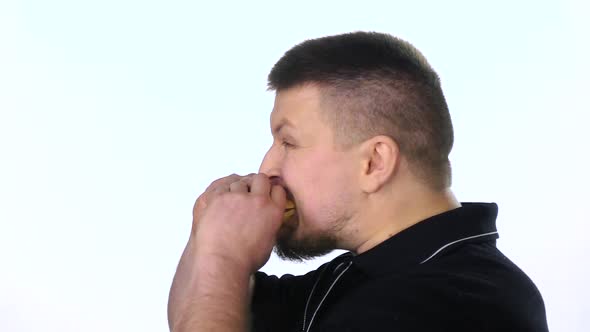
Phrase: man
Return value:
(362, 136)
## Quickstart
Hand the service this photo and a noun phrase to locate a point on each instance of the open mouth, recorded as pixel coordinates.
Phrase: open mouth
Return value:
(290, 205)
(289, 209)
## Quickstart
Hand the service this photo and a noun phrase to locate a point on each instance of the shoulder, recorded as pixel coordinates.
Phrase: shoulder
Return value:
(481, 289)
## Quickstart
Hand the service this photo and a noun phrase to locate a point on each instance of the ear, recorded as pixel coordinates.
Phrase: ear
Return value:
(380, 159)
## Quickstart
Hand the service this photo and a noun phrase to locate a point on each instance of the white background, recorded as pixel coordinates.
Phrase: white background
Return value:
(115, 115)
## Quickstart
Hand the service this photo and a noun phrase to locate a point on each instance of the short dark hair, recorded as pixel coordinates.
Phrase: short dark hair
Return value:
(376, 84)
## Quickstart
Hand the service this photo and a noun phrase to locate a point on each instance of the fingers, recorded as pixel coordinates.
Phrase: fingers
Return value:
(223, 182)
(216, 187)
(260, 184)
(254, 183)
(239, 186)
(278, 195)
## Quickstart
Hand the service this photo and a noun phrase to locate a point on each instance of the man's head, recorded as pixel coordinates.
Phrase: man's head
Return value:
(368, 114)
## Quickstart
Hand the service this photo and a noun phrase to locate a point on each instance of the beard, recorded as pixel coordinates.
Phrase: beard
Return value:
(288, 247)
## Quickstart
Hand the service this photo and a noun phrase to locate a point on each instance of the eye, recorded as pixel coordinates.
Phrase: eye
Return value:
(287, 145)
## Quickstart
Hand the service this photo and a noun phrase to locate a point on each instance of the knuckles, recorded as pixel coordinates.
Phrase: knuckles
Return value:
(223, 180)
(233, 199)
(241, 200)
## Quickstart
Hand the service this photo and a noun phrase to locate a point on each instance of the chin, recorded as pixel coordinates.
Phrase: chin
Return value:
(296, 247)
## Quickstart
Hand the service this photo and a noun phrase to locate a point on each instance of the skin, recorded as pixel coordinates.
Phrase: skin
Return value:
(348, 199)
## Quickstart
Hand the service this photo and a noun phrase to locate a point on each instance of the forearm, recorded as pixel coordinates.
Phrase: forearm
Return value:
(219, 294)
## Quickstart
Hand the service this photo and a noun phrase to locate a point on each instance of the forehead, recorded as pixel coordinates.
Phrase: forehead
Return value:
(296, 108)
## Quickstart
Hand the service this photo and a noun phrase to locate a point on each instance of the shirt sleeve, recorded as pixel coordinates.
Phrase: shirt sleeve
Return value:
(278, 303)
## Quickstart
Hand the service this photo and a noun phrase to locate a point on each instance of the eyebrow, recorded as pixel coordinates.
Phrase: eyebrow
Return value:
(283, 123)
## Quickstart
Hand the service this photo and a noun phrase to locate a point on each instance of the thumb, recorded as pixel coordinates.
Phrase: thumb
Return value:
(278, 195)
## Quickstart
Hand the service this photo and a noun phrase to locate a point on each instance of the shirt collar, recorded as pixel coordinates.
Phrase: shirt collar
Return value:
(424, 240)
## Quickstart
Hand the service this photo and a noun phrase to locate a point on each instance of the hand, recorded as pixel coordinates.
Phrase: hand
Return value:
(235, 222)
(237, 219)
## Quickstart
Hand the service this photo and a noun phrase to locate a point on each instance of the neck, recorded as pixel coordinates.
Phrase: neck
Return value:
(403, 211)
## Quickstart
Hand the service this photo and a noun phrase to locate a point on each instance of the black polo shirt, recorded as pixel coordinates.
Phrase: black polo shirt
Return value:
(442, 274)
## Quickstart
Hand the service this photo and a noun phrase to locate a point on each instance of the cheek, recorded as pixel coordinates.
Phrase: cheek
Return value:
(324, 189)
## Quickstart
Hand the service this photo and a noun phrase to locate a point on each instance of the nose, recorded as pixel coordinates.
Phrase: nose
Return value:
(269, 165)
(275, 180)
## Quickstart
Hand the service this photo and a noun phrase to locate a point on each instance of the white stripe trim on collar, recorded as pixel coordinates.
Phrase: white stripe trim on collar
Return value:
(451, 243)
